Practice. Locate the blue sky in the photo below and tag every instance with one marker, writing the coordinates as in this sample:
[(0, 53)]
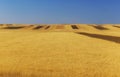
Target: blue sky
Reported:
[(60, 11)]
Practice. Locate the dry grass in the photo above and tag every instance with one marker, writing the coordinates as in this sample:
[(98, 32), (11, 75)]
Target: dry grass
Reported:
[(86, 52)]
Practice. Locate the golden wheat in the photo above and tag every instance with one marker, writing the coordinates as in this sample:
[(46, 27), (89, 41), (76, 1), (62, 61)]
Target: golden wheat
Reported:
[(86, 52)]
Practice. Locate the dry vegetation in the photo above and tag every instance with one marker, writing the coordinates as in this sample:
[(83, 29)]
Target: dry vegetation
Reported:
[(77, 50)]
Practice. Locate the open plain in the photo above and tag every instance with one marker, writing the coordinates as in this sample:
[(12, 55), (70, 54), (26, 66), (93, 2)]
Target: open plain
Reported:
[(78, 50)]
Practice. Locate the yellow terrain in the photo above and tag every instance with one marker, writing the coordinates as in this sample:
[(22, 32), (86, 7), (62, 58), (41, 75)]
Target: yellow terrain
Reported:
[(80, 50)]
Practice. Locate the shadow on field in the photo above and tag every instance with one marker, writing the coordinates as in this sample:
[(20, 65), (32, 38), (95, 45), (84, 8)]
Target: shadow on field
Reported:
[(117, 26), (47, 27), (104, 37), (100, 28), (38, 27), (13, 27), (74, 27), (1, 24)]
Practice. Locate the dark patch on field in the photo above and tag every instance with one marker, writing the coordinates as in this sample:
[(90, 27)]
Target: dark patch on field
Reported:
[(117, 26), (13, 27), (47, 27), (1, 24), (38, 27), (103, 37), (9, 24), (74, 27), (99, 27)]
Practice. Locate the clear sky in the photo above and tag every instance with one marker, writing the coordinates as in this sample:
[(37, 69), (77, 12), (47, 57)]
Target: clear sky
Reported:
[(60, 11)]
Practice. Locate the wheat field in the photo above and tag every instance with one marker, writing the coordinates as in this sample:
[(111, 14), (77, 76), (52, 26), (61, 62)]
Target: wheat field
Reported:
[(78, 50)]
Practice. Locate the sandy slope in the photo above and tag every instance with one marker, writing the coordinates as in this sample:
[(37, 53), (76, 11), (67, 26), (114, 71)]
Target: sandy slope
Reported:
[(87, 52)]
